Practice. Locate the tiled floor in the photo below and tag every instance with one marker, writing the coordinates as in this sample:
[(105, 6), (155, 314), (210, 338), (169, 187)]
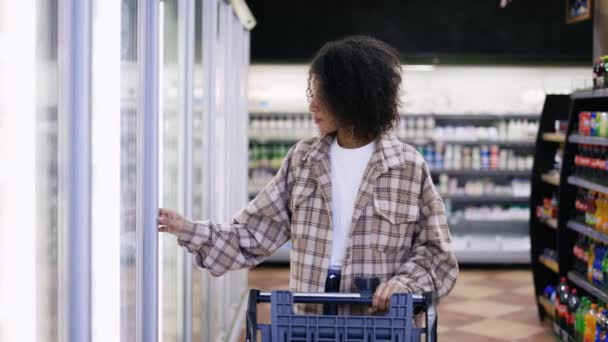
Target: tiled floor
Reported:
[(486, 305)]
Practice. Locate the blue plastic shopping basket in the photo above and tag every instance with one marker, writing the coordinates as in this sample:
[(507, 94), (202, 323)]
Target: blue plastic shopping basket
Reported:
[(397, 325)]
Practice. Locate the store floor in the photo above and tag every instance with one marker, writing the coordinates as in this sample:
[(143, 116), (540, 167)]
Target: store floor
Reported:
[(486, 305)]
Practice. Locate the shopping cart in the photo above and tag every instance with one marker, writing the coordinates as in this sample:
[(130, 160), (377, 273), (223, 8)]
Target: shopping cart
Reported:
[(397, 325)]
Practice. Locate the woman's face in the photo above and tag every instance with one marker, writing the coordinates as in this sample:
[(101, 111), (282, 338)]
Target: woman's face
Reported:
[(320, 115)]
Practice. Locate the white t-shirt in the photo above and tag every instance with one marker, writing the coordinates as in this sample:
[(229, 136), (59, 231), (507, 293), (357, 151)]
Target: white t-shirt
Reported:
[(347, 168)]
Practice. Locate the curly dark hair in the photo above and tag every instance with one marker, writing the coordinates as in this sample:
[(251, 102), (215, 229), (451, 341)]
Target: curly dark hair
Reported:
[(358, 79)]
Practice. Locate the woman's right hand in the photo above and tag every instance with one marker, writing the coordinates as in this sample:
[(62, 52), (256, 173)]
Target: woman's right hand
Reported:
[(170, 221)]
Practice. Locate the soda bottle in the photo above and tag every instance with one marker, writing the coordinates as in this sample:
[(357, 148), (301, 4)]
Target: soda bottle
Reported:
[(600, 329), (562, 308), (593, 124), (573, 304), (590, 321), (561, 287), (579, 324), (584, 126), (600, 319), (590, 261), (598, 271), (591, 208)]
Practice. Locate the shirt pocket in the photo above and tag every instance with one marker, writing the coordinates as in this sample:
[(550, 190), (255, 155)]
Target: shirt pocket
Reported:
[(393, 225), (305, 205)]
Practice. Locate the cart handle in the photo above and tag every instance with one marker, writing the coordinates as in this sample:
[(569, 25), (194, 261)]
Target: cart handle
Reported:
[(332, 298)]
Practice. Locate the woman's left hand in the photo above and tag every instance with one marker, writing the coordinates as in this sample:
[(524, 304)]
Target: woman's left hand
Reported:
[(382, 297)]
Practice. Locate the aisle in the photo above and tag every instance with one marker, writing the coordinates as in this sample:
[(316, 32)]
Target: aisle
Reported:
[(485, 305)]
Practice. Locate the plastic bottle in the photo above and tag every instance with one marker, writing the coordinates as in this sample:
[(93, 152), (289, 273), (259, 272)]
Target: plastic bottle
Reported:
[(600, 327), (598, 271), (590, 261), (593, 124), (562, 308), (579, 324), (605, 271), (573, 304), (590, 321), (600, 319)]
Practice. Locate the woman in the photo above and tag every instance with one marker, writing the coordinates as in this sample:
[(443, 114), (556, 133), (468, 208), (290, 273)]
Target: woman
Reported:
[(355, 201)]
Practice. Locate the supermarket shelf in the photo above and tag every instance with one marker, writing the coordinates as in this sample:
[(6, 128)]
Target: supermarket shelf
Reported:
[(463, 256), (506, 227), (441, 117), (480, 173), (413, 142), (590, 94), (480, 117), (493, 257), (587, 286), (278, 141), (505, 143), (551, 223), (550, 264), (588, 231), (547, 305), (583, 183), (581, 139), (484, 173), (482, 199), (551, 179), (554, 137)]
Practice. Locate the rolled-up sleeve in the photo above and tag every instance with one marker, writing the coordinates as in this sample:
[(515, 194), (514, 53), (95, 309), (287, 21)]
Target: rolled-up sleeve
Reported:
[(255, 232), (431, 266)]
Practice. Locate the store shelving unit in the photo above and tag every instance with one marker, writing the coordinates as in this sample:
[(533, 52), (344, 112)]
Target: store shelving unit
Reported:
[(544, 233), (474, 252), (570, 227)]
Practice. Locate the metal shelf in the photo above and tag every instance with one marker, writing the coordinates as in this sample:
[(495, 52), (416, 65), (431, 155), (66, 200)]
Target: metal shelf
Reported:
[(493, 257), (588, 231), (484, 173), (550, 179), (590, 94), (551, 223), (483, 198), (440, 117), (581, 139), (554, 137), (583, 183), (547, 306), (481, 117), (282, 255), (587, 286), (550, 264), (505, 143), (277, 141), (413, 142)]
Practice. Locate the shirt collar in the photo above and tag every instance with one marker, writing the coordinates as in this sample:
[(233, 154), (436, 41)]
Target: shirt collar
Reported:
[(388, 152)]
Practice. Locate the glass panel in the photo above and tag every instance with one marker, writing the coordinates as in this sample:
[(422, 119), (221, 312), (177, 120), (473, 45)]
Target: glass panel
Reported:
[(30, 226), (169, 190), (113, 134), (29, 179), (129, 89), (200, 308)]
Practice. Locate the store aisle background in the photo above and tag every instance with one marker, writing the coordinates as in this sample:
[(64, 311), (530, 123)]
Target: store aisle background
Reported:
[(489, 305)]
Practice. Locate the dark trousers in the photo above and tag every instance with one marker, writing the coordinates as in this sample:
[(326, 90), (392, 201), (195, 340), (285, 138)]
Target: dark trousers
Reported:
[(332, 285)]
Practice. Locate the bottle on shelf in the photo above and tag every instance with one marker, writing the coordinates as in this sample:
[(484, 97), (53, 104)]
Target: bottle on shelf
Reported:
[(590, 322), (579, 324), (573, 304)]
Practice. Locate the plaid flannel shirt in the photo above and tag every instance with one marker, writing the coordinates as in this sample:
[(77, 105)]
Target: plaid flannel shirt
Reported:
[(398, 231)]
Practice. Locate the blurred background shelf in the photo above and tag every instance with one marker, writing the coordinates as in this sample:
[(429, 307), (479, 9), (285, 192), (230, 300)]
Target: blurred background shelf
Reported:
[(550, 179), (554, 137)]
